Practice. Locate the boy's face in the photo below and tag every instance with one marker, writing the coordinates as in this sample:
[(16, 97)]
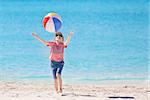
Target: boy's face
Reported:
[(59, 38)]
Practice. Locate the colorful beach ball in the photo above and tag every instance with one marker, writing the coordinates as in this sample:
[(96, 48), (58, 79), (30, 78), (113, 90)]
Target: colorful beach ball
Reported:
[(52, 22)]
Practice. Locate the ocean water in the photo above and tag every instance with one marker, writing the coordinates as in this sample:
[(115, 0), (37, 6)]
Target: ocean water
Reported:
[(110, 40)]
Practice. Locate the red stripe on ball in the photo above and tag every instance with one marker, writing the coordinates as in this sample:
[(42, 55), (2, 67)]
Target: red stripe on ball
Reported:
[(45, 21)]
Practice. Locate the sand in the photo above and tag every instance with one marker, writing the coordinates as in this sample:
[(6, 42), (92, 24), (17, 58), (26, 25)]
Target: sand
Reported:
[(110, 90)]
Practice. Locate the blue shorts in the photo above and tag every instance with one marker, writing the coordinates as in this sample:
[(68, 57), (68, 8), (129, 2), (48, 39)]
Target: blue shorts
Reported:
[(57, 67)]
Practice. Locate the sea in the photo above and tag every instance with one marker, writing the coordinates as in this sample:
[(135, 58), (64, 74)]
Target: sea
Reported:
[(110, 42)]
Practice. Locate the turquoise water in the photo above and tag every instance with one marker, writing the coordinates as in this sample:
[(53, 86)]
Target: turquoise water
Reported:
[(110, 40)]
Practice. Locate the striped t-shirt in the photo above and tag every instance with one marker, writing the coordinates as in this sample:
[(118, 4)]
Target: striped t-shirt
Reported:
[(57, 51)]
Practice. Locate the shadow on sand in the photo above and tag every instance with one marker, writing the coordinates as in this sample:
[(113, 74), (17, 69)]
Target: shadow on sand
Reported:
[(73, 94), (121, 97)]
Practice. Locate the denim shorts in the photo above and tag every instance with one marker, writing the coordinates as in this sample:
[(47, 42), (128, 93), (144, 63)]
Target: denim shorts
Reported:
[(57, 67)]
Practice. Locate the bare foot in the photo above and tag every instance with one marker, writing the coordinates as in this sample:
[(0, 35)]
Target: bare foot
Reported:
[(60, 91)]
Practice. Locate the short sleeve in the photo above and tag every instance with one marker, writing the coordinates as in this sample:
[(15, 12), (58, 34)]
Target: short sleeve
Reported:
[(50, 44), (65, 46)]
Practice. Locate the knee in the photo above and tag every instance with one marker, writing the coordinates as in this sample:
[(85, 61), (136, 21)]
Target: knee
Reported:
[(58, 75)]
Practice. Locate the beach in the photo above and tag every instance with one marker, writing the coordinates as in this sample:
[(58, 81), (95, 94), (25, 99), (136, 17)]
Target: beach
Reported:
[(107, 58), (109, 90)]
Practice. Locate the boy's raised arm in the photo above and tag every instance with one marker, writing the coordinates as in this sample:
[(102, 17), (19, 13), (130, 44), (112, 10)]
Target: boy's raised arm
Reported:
[(40, 39), (69, 38)]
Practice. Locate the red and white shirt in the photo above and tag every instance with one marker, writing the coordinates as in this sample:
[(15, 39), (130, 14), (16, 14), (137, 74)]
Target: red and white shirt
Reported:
[(57, 51)]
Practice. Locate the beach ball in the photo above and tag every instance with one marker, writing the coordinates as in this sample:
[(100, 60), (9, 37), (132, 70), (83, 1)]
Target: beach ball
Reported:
[(52, 22)]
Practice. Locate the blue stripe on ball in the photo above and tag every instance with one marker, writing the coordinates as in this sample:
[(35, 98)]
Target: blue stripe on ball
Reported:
[(57, 24)]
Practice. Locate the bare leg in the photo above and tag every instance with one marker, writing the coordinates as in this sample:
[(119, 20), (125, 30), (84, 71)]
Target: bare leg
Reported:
[(59, 82), (56, 85)]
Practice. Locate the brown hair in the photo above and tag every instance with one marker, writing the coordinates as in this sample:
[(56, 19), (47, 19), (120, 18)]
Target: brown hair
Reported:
[(59, 34)]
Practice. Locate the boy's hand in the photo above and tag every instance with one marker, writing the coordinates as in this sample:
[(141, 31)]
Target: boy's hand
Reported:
[(71, 33), (34, 34), (69, 38)]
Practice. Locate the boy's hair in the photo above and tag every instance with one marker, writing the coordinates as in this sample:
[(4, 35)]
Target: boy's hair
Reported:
[(59, 34)]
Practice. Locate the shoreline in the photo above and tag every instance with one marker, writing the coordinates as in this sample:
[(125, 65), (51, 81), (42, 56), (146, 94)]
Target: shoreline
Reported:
[(76, 81)]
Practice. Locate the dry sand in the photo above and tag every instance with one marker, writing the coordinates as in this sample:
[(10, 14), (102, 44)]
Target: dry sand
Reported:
[(110, 90)]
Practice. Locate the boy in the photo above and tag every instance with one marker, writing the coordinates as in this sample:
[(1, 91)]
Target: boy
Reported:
[(56, 56)]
